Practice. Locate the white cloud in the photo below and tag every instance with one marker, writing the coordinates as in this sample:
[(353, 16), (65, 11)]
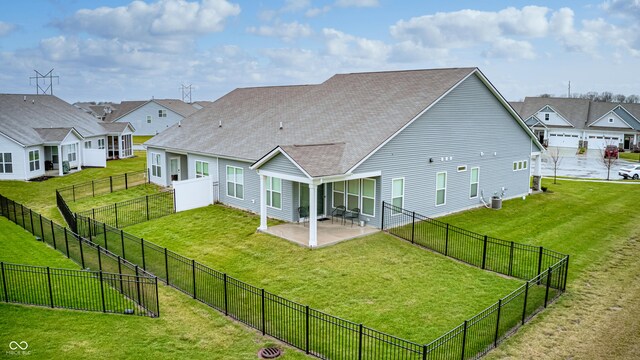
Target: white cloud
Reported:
[(164, 19), (625, 8), (284, 31), (510, 49), (348, 46), (6, 28), (357, 3), (313, 12)]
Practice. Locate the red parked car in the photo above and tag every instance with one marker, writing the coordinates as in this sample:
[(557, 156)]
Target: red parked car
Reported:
[(611, 151)]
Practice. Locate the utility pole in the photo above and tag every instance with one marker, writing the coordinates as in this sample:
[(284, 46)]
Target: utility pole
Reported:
[(186, 93), (47, 82)]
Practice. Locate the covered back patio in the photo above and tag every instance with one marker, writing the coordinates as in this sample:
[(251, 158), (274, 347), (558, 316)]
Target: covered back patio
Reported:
[(327, 232)]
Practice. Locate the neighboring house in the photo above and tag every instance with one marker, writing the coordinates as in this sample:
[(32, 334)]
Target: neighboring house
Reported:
[(99, 111), (43, 135), (433, 141), (151, 117), (573, 123)]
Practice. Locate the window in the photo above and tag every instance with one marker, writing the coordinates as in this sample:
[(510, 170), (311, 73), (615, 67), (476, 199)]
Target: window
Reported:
[(368, 206), (54, 155), (274, 192), (162, 113), (149, 118), (72, 152), (338, 193), (6, 165), (546, 117), (520, 165), (610, 120), (156, 167), (235, 182), (100, 143), (87, 144), (127, 149), (462, 168), (397, 195), (441, 188), (353, 194), (202, 169), (34, 160), (475, 180)]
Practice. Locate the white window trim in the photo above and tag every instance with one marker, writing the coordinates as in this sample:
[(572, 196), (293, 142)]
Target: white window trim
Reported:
[(471, 182), (157, 166), (520, 165), (87, 144), (333, 190), (36, 162), (401, 196), (149, 119), (3, 163), (445, 188), (367, 197), (196, 168), (269, 192), (360, 195), (72, 150), (347, 194), (162, 113), (100, 143), (234, 182)]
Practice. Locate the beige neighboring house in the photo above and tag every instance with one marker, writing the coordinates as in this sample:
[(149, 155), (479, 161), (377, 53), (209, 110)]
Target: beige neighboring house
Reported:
[(574, 123), (153, 116)]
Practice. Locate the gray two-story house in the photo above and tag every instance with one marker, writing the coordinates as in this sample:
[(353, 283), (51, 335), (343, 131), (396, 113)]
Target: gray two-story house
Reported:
[(432, 141)]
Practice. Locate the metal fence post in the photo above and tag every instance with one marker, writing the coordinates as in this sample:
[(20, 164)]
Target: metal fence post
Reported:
[(511, 258), (226, 310), (484, 253), (99, 259), (138, 284), (566, 274), (147, 197), (546, 294), (104, 231), (104, 307), (155, 282), (41, 228), (383, 206), (166, 265), (50, 288), (126, 182), (111, 183), (53, 235), (144, 265), (263, 321), (464, 339), (115, 207), (193, 267), (524, 309), (33, 231), (360, 343), (4, 283), (540, 261), (306, 329), (122, 242), (89, 228), (66, 241), (446, 241), (120, 272), (413, 226), (495, 339), (81, 251)]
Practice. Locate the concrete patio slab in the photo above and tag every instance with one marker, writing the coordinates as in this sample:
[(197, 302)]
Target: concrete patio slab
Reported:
[(328, 233)]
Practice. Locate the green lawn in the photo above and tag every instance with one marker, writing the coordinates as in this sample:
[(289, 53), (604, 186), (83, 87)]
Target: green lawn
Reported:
[(140, 139), (186, 328), (114, 197), (378, 280), (630, 156), (41, 196)]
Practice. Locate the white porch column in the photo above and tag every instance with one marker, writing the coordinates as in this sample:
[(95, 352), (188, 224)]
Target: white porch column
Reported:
[(60, 173), (313, 215), (263, 203)]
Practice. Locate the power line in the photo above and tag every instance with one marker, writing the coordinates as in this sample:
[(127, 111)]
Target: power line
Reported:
[(47, 82)]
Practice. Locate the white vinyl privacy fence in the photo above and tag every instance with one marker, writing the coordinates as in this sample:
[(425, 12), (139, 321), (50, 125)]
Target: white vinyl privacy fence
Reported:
[(195, 193)]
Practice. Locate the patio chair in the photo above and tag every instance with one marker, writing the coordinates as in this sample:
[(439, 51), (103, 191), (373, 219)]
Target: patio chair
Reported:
[(353, 214), (303, 214), (339, 211)]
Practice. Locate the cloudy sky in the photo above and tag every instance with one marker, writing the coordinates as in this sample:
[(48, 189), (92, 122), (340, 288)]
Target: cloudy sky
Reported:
[(116, 50)]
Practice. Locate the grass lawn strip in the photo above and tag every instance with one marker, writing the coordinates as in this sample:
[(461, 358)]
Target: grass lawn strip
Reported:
[(135, 192)]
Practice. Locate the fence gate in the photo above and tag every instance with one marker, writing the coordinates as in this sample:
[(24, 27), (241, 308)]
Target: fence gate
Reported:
[(194, 193)]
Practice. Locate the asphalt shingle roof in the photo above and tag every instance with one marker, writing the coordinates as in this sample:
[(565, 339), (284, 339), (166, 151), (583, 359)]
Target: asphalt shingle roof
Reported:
[(576, 111), (19, 119)]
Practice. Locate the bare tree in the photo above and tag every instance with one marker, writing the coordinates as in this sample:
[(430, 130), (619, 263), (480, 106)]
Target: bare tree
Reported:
[(608, 160), (619, 98), (556, 159), (632, 99), (546, 95)]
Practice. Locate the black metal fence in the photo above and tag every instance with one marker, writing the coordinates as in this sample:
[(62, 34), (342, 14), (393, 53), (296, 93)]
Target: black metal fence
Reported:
[(313, 331), (103, 186), (545, 270), (68, 289), (134, 211), (137, 285)]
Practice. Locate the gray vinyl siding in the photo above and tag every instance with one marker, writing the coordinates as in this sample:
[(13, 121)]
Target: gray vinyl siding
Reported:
[(466, 123), (281, 164), (138, 118), (251, 200), (627, 118)]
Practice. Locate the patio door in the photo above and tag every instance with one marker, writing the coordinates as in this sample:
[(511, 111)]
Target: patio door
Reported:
[(304, 198), (174, 168)]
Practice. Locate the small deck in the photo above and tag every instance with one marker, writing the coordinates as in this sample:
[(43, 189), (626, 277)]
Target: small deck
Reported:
[(328, 233)]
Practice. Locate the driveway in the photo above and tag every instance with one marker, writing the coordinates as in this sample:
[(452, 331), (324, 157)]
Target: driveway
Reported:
[(588, 166)]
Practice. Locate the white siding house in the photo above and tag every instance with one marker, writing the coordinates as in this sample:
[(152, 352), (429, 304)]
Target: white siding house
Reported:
[(153, 116)]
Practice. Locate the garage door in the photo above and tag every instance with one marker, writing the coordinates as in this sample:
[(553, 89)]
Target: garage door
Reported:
[(563, 140), (601, 141)]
